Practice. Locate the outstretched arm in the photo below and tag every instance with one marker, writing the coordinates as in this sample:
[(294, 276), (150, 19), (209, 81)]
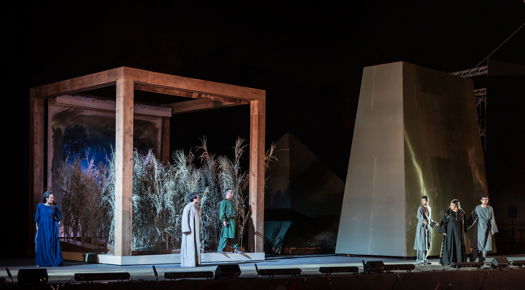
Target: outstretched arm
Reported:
[(464, 221), (443, 225), (431, 222), (472, 220), (494, 227)]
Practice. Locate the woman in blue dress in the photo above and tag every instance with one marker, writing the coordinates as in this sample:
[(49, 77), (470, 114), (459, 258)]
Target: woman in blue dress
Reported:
[(47, 244)]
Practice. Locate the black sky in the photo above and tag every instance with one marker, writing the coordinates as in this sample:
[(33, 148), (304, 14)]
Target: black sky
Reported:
[(308, 57)]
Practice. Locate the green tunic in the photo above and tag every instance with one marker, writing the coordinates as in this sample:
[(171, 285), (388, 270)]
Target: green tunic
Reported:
[(227, 213)]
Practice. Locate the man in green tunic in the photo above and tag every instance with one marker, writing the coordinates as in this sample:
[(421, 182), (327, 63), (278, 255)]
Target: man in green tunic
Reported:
[(227, 214)]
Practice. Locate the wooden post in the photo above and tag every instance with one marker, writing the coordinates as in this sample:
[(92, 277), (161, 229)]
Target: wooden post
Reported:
[(123, 167), (256, 174), (36, 163), (165, 140)]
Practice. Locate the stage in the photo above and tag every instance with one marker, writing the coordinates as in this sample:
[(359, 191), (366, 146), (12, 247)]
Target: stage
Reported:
[(206, 258), (434, 275)]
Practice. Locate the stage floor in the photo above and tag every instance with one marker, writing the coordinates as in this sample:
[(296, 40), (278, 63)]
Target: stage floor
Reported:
[(309, 265)]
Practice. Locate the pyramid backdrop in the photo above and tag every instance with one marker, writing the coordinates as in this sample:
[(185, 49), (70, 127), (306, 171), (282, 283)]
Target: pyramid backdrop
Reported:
[(301, 189)]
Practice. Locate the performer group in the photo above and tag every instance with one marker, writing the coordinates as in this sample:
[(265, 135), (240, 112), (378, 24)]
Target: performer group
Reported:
[(190, 249), (48, 216), (454, 223)]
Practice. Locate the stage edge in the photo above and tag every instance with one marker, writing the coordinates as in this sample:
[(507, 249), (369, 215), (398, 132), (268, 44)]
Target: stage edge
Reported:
[(175, 258)]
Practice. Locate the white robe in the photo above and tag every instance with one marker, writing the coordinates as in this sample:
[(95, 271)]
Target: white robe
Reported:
[(190, 252)]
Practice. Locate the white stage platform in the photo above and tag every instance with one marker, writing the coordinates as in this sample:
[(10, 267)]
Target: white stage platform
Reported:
[(175, 258)]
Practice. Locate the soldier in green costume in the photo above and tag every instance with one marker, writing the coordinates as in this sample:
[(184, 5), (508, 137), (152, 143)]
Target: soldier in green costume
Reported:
[(227, 215)]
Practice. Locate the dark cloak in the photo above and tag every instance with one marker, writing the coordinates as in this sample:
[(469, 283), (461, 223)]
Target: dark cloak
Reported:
[(453, 246)]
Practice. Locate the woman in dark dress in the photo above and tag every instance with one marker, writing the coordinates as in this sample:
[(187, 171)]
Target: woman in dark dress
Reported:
[(452, 227), (47, 244)]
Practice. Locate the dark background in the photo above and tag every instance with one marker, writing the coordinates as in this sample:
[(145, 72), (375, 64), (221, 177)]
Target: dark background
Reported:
[(308, 57)]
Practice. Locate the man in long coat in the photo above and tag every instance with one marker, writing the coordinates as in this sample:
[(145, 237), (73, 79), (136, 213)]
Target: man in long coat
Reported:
[(484, 226), (423, 240), (190, 255)]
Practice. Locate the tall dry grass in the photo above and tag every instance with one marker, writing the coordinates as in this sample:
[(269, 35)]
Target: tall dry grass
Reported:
[(159, 195), (78, 185)]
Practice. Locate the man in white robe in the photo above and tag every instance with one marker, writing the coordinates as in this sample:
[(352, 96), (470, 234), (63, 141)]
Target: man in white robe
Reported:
[(190, 252)]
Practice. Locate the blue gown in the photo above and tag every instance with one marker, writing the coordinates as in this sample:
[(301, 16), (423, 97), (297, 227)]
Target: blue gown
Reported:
[(47, 244)]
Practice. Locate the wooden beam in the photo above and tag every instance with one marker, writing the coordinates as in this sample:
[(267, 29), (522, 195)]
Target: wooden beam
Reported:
[(199, 105), (147, 81), (163, 90), (165, 149), (221, 99), (36, 163), (123, 167), (155, 79), (109, 105), (78, 84), (257, 170), (188, 94)]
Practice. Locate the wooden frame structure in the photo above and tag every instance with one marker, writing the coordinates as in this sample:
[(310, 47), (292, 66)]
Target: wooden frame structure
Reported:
[(206, 95)]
